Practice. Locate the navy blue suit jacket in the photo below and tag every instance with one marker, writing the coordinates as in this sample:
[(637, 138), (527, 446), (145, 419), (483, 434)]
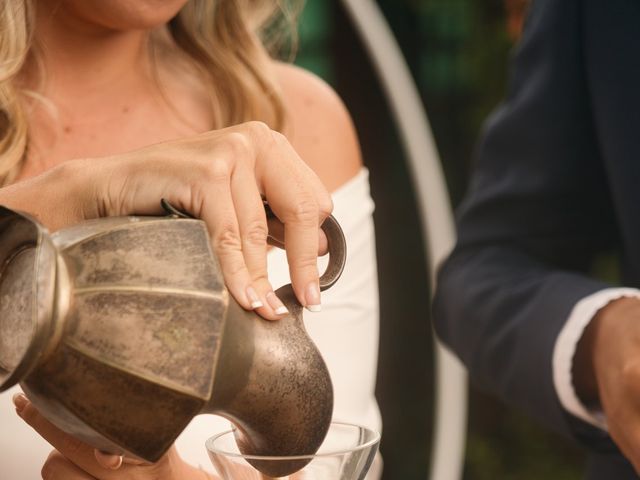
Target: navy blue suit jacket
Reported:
[(556, 183)]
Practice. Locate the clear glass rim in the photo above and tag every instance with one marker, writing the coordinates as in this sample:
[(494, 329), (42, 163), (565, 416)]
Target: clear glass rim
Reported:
[(376, 438)]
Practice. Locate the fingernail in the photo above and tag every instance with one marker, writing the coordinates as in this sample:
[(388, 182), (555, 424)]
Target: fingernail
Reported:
[(20, 401), (254, 299), (312, 297), (275, 303), (108, 460)]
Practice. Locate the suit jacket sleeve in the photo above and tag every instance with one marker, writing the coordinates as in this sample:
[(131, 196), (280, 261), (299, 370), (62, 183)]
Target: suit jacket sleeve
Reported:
[(537, 214)]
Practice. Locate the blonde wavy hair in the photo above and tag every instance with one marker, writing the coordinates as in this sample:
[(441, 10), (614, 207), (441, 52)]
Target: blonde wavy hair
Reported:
[(229, 41)]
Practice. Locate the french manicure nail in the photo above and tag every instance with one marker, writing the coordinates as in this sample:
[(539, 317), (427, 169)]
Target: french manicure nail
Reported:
[(20, 401), (117, 464), (108, 460), (312, 297), (253, 298), (275, 303)]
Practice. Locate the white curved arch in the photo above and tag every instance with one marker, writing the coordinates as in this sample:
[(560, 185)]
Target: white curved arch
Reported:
[(437, 221)]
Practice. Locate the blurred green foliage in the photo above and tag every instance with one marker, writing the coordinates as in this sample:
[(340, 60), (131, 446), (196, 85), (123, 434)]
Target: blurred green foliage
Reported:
[(314, 31)]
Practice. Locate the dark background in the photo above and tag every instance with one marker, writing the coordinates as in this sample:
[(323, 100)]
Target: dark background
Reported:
[(458, 53)]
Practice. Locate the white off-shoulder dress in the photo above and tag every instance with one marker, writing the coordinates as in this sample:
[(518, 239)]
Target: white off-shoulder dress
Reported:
[(345, 331)]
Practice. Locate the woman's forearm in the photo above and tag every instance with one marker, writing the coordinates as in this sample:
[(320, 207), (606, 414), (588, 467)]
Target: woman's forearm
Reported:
[(58, 198)]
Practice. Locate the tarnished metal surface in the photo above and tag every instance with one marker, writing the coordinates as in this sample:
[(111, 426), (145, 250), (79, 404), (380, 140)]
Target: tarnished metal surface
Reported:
[(27, 295), (16, 315), (282, 372), (121, 330)]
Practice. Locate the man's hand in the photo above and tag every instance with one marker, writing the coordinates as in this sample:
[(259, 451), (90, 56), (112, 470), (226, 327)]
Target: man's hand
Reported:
[(607, 372)]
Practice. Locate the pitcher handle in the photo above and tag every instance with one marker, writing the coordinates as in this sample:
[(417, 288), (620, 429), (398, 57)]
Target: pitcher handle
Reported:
[(337, 252), (330, 227)]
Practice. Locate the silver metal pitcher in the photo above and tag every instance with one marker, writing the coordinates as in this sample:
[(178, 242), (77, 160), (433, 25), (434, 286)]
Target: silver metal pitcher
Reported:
[(120, 330)]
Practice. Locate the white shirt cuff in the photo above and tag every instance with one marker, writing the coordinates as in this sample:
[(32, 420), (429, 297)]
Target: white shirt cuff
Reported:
[(565, 349)]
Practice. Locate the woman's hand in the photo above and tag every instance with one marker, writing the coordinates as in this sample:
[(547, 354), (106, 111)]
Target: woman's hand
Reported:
[(75, 460), (219, 177)]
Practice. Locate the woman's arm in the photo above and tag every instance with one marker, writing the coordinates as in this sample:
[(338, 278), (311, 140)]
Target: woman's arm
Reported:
[(217, 176), (319, 126)]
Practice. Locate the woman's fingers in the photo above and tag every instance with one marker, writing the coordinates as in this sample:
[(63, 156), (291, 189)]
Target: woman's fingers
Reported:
[(301, 248), (58, 467), (79, 453), (301, 203), (93, 464), (107, 460), (218, 211), (263, 161), (276, 237), (253, 232)]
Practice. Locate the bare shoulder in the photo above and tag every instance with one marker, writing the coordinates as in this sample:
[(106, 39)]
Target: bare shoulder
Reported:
[(319, 126)]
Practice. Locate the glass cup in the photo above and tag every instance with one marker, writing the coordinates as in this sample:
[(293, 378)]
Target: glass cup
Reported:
[(346, 454)]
